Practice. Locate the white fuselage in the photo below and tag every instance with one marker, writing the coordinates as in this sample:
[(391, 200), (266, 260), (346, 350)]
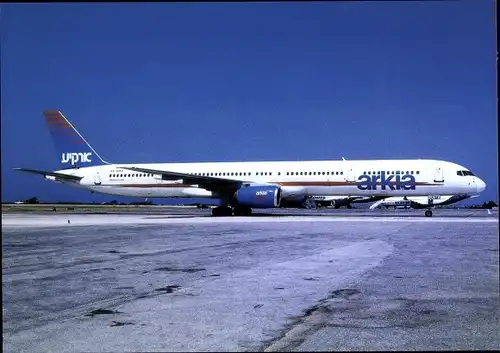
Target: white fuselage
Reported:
[(308, 178)]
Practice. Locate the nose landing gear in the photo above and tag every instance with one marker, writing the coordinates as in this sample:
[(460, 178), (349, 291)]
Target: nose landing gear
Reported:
[(428, 212)]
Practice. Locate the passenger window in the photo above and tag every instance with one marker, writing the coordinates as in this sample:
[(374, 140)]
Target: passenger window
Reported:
[(418, 172), (310, 173), (341, 173), (279, 173), (336, 173)]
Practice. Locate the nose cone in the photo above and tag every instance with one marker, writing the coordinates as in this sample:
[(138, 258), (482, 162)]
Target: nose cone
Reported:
[(481, 185)]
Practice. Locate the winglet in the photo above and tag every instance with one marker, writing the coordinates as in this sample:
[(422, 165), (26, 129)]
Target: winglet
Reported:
[(71, 146)]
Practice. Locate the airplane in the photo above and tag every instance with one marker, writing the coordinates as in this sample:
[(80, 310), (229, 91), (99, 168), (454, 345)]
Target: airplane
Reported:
[(241, 186), (344, 200), (419, 201), (326, 201)]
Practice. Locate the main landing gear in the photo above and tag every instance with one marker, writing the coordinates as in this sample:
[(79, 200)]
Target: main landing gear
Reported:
[(225, 211), (428, 213)]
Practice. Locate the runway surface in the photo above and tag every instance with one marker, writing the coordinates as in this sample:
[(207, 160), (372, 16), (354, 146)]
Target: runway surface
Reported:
[(179, 281)]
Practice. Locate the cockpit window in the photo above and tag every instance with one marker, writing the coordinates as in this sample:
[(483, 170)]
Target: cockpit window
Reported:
[(464, 173)]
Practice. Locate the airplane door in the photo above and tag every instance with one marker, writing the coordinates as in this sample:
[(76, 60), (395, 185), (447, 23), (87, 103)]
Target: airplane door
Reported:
[(349, 175), (438, 174), (97, 180)]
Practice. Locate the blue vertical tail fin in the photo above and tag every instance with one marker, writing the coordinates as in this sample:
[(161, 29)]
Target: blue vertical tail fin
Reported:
[(72, 148)]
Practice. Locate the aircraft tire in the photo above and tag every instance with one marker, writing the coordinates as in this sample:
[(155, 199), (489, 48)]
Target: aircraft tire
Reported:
[(242, 211), (428, 213), (222, 211)]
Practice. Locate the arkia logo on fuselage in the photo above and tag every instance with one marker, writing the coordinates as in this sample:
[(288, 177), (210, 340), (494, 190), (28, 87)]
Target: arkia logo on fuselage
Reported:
[(393, 182), (76, 157)]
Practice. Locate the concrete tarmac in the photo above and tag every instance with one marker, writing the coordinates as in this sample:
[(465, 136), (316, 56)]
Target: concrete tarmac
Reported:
[(185, 282)]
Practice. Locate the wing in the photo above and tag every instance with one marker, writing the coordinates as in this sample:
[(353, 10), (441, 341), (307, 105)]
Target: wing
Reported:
[(206, 182), (53, 174)]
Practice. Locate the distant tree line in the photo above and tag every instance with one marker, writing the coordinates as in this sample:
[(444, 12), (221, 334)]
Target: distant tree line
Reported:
[(488, 205)]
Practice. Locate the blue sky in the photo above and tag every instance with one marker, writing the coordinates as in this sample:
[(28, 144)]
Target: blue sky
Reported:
[(161, 82)]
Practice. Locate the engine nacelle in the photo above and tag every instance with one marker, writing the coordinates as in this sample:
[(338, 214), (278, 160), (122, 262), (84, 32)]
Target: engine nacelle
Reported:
[(262, 196)]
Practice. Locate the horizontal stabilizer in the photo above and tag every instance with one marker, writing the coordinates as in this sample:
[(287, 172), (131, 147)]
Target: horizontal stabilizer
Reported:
[(53, 174)]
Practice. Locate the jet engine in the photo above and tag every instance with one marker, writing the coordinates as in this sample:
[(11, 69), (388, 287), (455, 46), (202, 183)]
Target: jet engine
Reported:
[(259, 196)]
